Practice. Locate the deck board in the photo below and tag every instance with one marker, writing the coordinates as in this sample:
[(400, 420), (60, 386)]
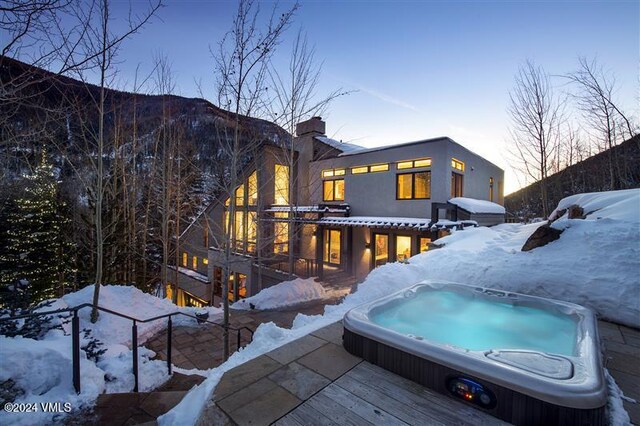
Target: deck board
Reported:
[(368, 395), (361, 407)]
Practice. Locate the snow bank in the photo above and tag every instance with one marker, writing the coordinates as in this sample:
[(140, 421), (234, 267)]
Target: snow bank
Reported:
[(477, 206), (129, 301), (594, 263), (287, 293), (618, 205)]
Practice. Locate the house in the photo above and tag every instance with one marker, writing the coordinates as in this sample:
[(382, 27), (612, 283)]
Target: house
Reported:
[(333, 210)]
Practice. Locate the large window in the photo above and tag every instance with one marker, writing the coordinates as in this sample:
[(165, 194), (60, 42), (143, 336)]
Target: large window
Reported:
[(281, 185), (239, 230), (457, 184), (252, 231), (281, 233), (240, 195), (333, 190), (403, 247), (332, 246), (252, 186), (381, 249), (413, 186)]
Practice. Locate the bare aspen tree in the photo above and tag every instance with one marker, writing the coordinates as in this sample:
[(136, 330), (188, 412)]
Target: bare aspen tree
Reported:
[(102, 46), (594, 97), (536, 117), (293, 100), (241, 64)]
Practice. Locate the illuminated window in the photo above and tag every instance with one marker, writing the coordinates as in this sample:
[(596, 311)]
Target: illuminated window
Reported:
[(490, 189), (239, 230), (332, 242), (333, 190), (240, 195), (281, 185), (252, 193), (457, 184), (423, 162), (185, 259), (413, 186), (381, 249), (194, 262), (205, 261), (412, 164), (281, 234), (403, 247), (252, 231), (379, 168), (424, 244), (457, 164), (369, 169), (333, 172), (226, 202)]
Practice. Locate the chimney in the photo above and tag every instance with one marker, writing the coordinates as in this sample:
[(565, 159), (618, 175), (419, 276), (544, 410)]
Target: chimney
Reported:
[(314, 126)]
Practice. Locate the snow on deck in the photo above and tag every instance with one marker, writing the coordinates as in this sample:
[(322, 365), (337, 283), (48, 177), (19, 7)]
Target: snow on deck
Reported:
[(477, 206), (340, 208)]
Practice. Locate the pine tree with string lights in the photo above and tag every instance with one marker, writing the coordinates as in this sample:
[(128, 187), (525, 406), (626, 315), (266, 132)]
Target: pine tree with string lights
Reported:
[(38, 256)]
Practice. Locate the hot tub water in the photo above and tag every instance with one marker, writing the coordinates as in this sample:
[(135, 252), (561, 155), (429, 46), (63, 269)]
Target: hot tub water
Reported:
[(479, 323)]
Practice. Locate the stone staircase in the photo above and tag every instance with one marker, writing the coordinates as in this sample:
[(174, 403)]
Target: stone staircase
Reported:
[(138, 408)]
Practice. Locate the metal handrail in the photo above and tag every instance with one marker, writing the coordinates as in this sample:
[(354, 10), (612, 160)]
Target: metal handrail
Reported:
[(75, 331)]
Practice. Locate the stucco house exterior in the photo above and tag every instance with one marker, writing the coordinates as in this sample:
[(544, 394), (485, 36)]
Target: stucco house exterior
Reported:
[(340, 209)]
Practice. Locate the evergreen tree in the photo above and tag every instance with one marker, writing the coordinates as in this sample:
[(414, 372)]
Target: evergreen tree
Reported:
[(37, 260)]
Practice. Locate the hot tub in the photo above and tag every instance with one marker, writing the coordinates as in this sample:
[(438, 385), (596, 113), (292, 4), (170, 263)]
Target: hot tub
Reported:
[(524, 359)]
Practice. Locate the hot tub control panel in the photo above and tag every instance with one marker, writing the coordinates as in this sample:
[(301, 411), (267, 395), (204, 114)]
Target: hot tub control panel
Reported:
[(471, 391)]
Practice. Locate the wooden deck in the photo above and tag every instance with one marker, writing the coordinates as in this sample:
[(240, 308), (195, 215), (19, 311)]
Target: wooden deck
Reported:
[(369, 395)]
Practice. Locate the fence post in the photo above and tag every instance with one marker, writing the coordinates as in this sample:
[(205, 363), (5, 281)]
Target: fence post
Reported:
[(134, 345), (169, 346), (75, 355)]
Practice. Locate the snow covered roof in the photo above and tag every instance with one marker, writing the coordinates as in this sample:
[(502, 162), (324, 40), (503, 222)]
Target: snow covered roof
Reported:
[(191, 273), (342, 146), (416, 223), (341, 208), (477, 206)]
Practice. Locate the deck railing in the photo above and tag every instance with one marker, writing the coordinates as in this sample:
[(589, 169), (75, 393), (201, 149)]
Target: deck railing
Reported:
[(75, 332)]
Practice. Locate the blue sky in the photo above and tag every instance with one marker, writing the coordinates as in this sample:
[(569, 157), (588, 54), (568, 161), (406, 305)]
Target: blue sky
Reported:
[(422, 68)]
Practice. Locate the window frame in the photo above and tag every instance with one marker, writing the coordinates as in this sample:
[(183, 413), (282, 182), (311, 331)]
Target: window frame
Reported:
[(411, 164), (413, 186), (332, 183), (360, 170)]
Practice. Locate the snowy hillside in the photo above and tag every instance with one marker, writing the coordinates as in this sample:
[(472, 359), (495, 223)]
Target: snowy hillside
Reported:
[(594, 263)]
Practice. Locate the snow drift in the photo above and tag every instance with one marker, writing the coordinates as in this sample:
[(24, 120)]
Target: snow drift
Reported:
[(287, 293)]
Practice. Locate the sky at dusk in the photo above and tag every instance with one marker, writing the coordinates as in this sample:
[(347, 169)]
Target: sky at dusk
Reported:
[(420, 69)]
